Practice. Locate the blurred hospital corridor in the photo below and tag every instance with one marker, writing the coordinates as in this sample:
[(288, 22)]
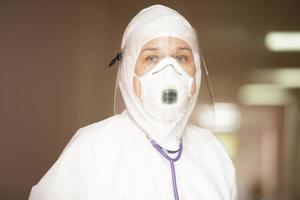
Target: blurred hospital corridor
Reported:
[(54, 79)]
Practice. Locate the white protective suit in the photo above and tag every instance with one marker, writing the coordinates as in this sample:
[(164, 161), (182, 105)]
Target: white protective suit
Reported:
[(113, 159)]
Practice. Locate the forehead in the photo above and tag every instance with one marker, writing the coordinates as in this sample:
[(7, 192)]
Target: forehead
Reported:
[(166, 42)]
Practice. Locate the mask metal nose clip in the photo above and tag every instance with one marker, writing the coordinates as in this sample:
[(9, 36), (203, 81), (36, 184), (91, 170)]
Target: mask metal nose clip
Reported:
[(168, 65)]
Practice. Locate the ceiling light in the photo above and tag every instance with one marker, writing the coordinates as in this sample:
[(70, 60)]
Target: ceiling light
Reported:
[(283, 41)]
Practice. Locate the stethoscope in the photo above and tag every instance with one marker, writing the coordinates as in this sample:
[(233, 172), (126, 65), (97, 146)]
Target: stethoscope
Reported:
[(163, 151)]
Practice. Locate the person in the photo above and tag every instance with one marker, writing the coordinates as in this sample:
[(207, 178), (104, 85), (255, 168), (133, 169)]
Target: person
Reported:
[(149, 150)]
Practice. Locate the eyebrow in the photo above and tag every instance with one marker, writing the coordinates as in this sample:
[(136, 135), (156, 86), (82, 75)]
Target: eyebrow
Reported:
[(156, 49), (150, 49), (184, 48)]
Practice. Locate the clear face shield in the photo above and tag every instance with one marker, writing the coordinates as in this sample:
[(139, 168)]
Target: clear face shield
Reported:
[(169, 75)]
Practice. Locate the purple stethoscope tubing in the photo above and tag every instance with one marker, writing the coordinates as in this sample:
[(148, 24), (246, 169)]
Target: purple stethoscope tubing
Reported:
[(171, 161)]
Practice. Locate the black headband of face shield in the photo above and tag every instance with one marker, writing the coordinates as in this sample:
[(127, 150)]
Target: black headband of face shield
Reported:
[(117, 58)]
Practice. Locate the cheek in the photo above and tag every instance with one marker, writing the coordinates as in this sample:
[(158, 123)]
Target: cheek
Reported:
[(137, 87)]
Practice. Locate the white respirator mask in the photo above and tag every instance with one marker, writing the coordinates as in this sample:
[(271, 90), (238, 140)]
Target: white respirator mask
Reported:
[(165, 90)]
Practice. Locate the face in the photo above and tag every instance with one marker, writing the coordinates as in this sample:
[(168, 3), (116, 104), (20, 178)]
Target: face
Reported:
[(155, 50)]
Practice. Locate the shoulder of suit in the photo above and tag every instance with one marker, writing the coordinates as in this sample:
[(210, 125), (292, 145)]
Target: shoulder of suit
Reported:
[(97, 129), (199, 132), (206, 136)]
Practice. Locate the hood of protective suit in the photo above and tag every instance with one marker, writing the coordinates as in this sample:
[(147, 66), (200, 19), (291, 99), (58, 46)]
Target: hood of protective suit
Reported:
[(150, 23)]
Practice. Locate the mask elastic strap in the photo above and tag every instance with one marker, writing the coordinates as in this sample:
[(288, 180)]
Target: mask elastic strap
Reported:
[(141, 86), (190, 87)]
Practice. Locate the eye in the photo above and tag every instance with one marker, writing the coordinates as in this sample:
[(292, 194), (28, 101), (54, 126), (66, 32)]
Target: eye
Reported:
[(181, 58), (152, 58)]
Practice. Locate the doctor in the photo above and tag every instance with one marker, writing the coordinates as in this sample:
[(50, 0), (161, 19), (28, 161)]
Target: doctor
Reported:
[(148, 151)]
